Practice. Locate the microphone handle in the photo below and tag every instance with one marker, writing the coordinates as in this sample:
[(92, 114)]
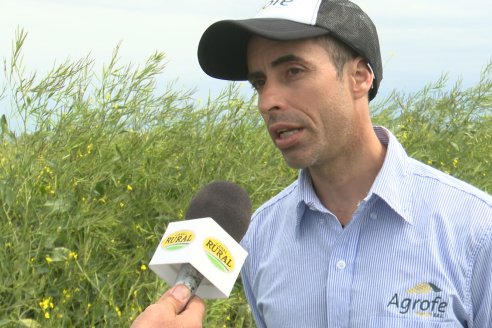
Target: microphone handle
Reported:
[(189, 276)]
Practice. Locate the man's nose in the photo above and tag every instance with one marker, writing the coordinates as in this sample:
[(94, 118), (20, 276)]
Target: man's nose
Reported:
[(270, 98)]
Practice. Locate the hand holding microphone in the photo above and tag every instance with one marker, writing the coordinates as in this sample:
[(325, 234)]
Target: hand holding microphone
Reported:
[(230, 207), (203, 251), (199, 255), (176, 308)]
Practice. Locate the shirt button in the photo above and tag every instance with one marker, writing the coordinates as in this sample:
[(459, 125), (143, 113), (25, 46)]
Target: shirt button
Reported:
[(341, 264), (373, 216)]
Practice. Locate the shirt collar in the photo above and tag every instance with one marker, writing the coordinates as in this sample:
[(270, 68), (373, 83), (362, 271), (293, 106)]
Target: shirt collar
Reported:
[(307, 198), (389, 185)]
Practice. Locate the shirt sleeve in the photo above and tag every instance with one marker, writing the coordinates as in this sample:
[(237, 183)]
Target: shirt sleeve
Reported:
[(481, 284)]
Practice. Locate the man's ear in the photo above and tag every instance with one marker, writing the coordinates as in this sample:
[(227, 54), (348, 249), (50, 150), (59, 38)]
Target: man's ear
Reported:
[(362, 77)]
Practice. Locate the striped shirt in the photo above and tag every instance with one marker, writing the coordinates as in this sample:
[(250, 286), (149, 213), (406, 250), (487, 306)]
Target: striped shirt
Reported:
[(417, 253)]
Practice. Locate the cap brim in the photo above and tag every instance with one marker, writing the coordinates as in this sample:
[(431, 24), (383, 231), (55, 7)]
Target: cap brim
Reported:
[(223, 46)]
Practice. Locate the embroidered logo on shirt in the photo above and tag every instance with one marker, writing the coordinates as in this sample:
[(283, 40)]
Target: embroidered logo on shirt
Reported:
[(422, 300)]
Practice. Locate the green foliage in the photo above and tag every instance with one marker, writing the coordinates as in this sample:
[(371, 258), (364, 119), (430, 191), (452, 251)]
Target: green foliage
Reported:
[(103, 162), (100, 166), (449, 129)]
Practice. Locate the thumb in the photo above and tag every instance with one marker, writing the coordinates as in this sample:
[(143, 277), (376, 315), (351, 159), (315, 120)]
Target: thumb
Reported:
[(176, 298)]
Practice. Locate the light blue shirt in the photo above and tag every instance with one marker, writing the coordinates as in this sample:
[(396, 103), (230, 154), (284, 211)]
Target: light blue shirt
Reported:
[(417, 253)]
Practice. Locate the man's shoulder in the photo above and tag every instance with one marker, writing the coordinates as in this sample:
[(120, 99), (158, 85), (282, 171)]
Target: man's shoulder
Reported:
[(446, 185), (287, 196), (268, 218), (452, 205)]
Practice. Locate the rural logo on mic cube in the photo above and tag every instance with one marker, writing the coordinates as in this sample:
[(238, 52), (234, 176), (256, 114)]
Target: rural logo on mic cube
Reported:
[(216, 251)]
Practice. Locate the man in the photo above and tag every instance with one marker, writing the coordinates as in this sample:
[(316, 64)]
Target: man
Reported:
[(366, 236)]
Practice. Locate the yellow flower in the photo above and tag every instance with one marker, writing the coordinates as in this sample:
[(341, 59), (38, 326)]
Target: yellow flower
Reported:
[(47, 315), (49, 188), (73, 256), (48, 170), (67, 294), (143, 267), (46, 303), (48, 259), (118, 311), (129, 188)]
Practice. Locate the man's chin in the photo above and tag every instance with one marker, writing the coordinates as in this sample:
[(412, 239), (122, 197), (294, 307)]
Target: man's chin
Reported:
[(296, 163)]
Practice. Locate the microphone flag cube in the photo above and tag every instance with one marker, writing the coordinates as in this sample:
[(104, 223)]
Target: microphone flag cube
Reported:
[(208, 248)]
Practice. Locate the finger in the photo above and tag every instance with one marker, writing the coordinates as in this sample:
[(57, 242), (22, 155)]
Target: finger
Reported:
[(151, 317), (175, 299), (194, 312)]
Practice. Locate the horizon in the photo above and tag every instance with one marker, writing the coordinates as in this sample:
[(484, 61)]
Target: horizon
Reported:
[(418, 41)]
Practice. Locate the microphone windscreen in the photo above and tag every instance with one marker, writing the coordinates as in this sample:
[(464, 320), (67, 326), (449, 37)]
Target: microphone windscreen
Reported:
[(225, 202)]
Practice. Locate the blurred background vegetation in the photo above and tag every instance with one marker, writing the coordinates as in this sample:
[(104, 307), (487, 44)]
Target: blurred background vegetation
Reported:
[(104, 160)]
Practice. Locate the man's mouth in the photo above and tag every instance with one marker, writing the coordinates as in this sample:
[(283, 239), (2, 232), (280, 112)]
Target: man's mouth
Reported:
[(285, 133)]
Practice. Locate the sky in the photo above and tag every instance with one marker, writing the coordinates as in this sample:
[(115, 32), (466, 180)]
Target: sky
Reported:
[(420, 40)]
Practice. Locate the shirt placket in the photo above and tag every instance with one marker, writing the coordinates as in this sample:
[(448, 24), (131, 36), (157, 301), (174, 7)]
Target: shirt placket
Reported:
[(340, 275)]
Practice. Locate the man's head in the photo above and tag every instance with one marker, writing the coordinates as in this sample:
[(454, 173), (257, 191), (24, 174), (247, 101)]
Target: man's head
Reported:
[(315, 112), (223, 47)]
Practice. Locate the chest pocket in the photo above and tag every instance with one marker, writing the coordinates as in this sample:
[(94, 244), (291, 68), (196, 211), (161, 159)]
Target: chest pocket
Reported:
[(389, 322)]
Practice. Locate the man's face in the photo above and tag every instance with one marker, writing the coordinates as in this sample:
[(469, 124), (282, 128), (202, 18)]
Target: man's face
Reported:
[(307, 108)]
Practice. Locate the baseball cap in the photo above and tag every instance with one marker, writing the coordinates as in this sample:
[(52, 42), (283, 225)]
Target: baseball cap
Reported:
[(223, 46)]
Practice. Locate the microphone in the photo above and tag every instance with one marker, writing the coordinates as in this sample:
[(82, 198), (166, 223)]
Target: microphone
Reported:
[(229, 205), (203, 251)]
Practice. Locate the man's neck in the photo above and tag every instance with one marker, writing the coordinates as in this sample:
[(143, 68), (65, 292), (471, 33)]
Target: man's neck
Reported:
[(342, 186)]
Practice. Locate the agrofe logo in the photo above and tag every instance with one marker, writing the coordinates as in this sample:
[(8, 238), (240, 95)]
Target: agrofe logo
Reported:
[(422, 300)]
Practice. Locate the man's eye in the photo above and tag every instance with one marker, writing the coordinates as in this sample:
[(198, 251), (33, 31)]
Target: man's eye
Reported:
[(294, 71), (257, 84)]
